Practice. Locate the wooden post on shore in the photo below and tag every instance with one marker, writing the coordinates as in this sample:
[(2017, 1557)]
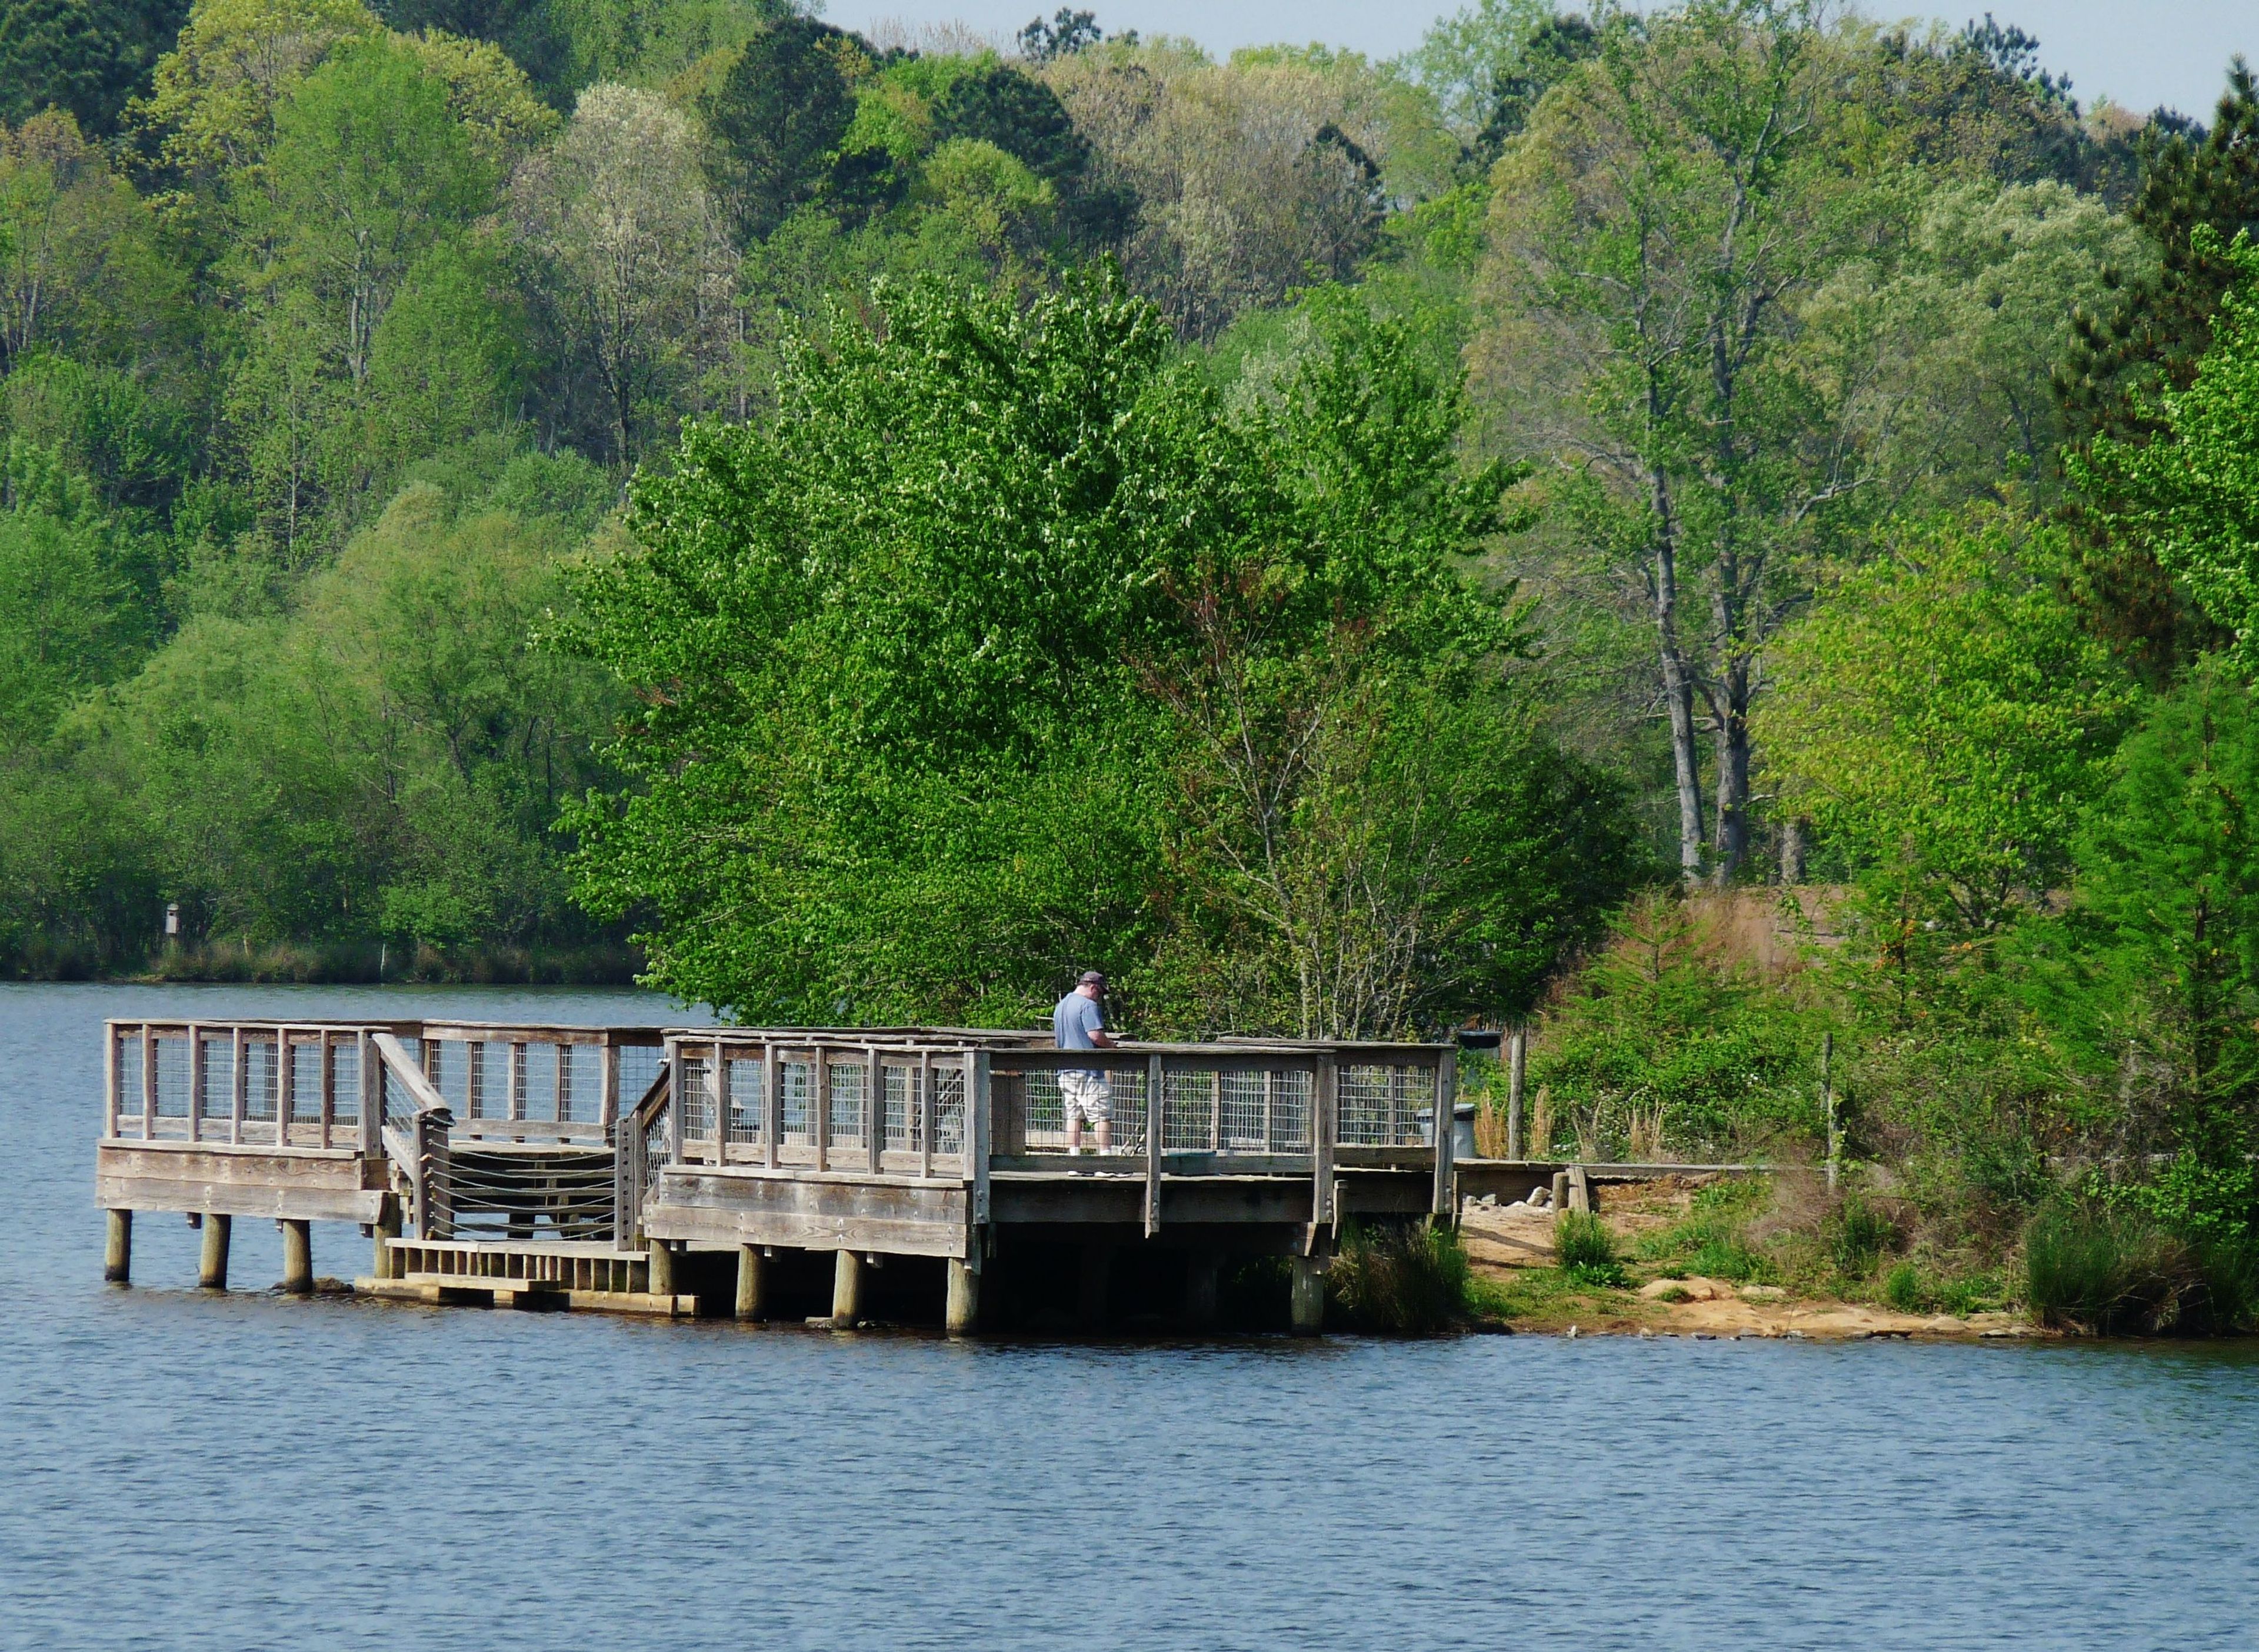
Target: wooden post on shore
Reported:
[(750, 1305), (1307, 1308), (118, 1247), (211, 1267), (1517, 1068), (1828, 1102), (846, 1289), (297, 1256), (962, 1316)]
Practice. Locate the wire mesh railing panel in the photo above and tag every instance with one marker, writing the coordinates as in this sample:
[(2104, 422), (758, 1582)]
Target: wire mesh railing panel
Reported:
[(797, 1102), (262, 1072), (1242, 1118), (639, 1066), (218, 1057), (1190, 1102), (1287, 1099), (849, 1080), (172, 1056), (748, 1102), (905, 1108), (949, 1111), (697, 1099), (127, 1053), (306, 1083), (345, 1070), (1380, 1106)]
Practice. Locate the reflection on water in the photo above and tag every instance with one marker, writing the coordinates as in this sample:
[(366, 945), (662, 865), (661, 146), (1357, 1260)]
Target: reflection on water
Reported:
[(246, 1472)]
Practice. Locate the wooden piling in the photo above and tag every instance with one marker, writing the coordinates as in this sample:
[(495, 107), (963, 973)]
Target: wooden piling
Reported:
[(1580, 1190), (749, 1281), (211, 1268), (386, 1262), (1202, 1268), (846, 1289), (1096, 1274), (1306, 1310), (1560, 1191), (662, 1269), (118, 1247), (297, 1256), (963, 1316)]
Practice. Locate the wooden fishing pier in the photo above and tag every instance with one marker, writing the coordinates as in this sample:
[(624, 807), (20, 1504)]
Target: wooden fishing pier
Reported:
[(671, 1171)]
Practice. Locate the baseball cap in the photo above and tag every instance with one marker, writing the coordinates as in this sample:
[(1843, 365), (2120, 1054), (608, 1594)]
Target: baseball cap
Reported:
[(1090, 978)]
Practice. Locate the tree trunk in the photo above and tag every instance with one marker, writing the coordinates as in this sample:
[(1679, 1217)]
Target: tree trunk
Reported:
[(1733, 741), (1677, 684)]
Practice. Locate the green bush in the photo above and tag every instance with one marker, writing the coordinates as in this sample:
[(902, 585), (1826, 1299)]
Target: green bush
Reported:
[(1902, 1289), (1402, 1279)]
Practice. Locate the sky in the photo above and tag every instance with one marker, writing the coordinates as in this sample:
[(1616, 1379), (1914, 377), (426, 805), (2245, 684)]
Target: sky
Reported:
[(2137, 53)]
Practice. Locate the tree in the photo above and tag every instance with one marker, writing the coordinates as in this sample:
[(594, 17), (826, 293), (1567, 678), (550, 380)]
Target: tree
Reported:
[(947, 670), (775, 122), (1656, 227), (1252, 179), (1942, 351), (85, 59), (1023, 118), (1068, 32), (2189, 496), (630, 260), (80, 265), (2145, 337), (2151, 981), (1947, 723), (1467, 58), (210, 108)]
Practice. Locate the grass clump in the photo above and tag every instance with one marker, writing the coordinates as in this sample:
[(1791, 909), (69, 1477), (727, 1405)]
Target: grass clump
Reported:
[(1857, 1234), (1586, 1250), (1910, 1289), (1714, 1240), (1401, 1279), (2090, 1268)]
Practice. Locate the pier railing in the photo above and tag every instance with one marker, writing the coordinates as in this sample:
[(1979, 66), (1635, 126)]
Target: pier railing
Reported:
[(272, 1083), (883, 1103), (518, 1129)]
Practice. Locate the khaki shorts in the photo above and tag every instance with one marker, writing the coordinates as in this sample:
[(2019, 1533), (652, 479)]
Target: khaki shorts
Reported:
[(1087, 1095)]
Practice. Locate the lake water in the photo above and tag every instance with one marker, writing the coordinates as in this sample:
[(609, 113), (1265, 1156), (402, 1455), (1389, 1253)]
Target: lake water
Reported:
[(181, 1469)]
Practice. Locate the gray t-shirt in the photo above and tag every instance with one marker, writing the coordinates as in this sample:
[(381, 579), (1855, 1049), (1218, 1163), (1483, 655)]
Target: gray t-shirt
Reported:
[(1073, 1019)]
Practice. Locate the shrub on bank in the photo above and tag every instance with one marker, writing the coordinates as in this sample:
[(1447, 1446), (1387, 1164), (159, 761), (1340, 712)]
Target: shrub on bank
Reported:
[(1400, 1278), (1585, 1250)]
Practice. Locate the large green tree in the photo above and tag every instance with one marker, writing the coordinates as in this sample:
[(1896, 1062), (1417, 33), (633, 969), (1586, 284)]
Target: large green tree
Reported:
[(1001, 651)]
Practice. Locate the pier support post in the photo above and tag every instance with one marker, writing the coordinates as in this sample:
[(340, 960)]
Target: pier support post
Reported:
[(1560, 1191), (297, 1256), (749, 1281), (662, 1269), (1097, 1275), (963, 1317), (118, 1247), (846, 1289), (1201, 1269), (387, 1260), (1306, 1309), (211, 1267)]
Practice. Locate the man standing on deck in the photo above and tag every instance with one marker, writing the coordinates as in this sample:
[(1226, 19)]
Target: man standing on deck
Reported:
[(1079, 1022)]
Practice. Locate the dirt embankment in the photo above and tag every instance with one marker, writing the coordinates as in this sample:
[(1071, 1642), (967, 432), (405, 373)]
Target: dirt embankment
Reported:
[(1510, 1249)]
